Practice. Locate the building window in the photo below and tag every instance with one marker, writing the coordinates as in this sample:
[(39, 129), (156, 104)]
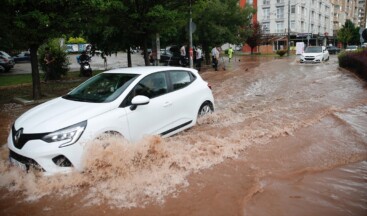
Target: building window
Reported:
[(280, 27), (250, 2), (280, 1), (266, 13), (293, 25), (280, 12), (293, 9), (266, 27), (266, 2)]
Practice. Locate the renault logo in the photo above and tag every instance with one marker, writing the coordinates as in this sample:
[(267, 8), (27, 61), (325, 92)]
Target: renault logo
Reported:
[(17, 135)]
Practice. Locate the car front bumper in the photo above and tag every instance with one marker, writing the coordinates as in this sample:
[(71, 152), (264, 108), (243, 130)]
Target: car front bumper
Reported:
[(47, 157)]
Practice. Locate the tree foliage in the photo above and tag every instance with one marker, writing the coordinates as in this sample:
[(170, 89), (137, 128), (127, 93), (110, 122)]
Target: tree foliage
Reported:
[(61, 63), (125, 23), (220, 21), (35, 22), (119, 24), (255, 38), (348, 34)]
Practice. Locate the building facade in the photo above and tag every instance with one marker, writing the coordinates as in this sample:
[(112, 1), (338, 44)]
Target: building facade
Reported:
[(362, 9), (290, 21), (343, 10), (309, 21)]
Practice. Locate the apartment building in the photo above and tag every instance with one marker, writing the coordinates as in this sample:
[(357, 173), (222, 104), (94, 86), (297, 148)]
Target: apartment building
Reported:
[(362, 9), (343, 10), (309, 20)]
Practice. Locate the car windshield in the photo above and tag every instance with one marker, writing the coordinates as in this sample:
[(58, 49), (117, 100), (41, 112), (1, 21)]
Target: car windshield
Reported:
[(313, 50), (104, 87), (351, 47), (4, 54)]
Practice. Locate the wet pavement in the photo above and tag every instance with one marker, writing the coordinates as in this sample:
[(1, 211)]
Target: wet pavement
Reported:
[(286, 139)]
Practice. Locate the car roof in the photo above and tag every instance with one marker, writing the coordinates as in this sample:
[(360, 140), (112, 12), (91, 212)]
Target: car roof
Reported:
[(147, 69)]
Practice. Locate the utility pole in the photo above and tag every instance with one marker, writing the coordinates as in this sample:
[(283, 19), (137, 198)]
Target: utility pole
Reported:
[(289, 26), (190, 40)]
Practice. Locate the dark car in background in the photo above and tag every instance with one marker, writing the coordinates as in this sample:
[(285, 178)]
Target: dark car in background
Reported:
[(333, 49), (22, 57), (171, 56), (6, 61)]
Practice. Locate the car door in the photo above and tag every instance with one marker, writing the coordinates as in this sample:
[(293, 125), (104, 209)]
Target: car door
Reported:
[(154, 117), (183, 97)]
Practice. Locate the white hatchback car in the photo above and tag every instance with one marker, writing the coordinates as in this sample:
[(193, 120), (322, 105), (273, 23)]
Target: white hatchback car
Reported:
[(314, 54), (131, 102)]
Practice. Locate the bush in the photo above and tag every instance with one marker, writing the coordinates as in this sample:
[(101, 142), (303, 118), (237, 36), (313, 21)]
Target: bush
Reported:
[(355, 61), (281, 52), (61, 64)]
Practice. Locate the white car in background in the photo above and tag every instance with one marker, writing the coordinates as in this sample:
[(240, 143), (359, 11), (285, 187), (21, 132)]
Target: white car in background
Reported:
[(314, 54), (351, 48), (130, 102)]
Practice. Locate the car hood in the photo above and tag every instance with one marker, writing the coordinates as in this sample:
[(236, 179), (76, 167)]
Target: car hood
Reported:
[(57, 114), (312, 54)]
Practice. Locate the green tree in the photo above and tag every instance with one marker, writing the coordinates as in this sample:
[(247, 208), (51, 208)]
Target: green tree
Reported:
[(348, 34), (33, 23), (255, 38), (220, 21), (126, 23), (61, 63)]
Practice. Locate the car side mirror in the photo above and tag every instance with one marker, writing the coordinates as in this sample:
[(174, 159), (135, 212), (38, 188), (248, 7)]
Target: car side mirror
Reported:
[(139, 100)]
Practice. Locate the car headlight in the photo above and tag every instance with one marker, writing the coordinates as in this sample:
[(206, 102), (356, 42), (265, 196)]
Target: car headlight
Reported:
[(69, 134)]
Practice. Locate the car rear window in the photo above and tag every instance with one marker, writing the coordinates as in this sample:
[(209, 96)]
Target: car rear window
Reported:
[(181, 79)]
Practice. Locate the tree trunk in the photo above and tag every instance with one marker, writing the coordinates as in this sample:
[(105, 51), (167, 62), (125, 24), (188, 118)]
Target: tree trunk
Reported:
[(145, 51), (129, 57), (35, 73)]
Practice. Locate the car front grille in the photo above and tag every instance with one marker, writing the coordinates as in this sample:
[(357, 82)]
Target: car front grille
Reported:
[(20, 139), (309, 58)]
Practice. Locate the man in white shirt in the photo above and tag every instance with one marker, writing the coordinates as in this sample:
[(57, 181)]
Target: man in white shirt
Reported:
[(199, 57), (183, 55)]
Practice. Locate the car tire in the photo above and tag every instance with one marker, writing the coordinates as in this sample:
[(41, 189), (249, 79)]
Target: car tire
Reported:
[(205, 109)]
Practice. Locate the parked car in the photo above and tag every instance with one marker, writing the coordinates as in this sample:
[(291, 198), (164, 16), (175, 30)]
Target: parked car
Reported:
[(351, 48), (130, 102), (171, 56), (314, 54), (333, 49), (23, 56), (6, 61)]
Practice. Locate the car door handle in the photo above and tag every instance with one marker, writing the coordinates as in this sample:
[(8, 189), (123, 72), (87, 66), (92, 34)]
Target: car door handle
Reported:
[(167, 104)]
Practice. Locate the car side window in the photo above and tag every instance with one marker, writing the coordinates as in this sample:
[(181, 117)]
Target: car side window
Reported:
[(180, 79), (151, 86)]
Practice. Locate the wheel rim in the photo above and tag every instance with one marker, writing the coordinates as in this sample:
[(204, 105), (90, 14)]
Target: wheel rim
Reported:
[(205, 110)]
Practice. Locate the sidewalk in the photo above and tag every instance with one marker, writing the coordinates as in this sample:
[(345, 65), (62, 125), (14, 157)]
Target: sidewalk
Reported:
[(113, 61)]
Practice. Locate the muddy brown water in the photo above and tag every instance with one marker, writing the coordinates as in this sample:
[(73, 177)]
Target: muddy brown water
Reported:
[(286, 139)]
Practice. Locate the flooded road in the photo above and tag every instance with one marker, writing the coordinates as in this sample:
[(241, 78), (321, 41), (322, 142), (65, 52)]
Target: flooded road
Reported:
[(286, 139)]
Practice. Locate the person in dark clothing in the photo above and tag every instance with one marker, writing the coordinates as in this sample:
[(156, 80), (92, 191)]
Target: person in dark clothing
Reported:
[(83, 58), (49, 60)]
